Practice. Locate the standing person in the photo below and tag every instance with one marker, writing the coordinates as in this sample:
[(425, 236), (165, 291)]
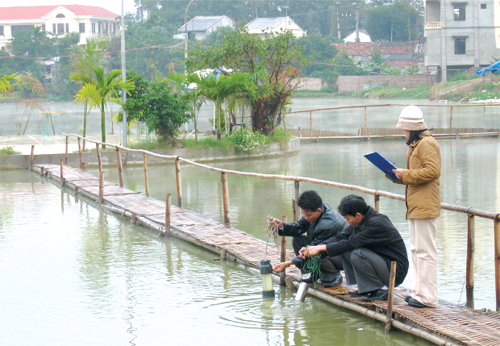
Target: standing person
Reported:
[(318, 223), (367, 247), (423, 204)]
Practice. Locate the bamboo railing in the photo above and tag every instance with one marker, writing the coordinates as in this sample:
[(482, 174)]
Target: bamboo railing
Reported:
[(365, 131), (470, 212)]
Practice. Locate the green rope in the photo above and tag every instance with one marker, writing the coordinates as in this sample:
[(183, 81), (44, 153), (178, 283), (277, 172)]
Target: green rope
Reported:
[(312, 265)]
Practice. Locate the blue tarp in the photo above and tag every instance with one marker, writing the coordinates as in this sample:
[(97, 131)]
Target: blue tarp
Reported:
[(492, 68)]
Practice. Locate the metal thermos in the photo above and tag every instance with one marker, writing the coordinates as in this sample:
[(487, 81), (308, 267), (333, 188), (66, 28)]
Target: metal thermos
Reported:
[(302, 291)]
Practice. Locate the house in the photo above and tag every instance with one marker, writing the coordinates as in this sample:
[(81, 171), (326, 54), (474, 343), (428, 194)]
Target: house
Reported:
[(398, 54), (263, 26), (460, 35), (57, 20), (201, 26)]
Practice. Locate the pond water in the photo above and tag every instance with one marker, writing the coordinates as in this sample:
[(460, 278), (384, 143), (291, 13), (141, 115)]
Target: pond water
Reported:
[(73, 274)]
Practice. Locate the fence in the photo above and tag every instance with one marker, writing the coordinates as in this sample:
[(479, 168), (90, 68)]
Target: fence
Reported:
[(367, 132), (469, 211)]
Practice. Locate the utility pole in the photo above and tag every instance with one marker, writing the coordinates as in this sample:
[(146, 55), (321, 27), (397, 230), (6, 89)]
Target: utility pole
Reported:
[(338, 21), (124, 76), (186, 34), (356, 8)]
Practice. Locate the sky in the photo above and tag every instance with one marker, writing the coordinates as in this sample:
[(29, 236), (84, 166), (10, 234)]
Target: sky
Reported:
[(114, 6)]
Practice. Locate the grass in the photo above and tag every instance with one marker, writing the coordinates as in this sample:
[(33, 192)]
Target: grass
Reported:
[(9, 151)]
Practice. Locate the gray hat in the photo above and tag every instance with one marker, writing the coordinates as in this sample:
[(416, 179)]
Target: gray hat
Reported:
[(411, 119)]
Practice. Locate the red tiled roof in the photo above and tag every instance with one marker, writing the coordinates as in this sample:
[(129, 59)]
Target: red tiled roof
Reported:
[(395, 47), (37, 12), (356, 48)]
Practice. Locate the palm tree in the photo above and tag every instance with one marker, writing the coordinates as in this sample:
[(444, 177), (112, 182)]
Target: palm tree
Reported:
[(102, 89), (5, 85), (83, 60), (219, 89)]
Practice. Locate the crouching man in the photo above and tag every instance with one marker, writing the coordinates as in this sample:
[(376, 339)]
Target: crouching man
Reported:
[(367, 248), (318, 223)]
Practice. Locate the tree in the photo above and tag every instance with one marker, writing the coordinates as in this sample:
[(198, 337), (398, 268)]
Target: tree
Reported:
[(159, 107), (102, 89), (390, 23), (83, 60), (279, 58)]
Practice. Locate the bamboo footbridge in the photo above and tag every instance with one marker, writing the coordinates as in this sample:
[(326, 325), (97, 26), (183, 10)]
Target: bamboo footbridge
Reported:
[(448, 324)]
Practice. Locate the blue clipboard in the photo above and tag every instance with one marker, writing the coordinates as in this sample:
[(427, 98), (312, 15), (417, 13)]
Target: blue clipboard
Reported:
[(382, 164)]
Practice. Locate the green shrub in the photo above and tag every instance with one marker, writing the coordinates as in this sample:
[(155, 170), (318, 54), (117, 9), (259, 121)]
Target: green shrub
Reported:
[(246, 140), (9, 151)]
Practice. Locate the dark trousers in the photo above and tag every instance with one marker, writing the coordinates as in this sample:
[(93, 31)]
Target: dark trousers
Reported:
[(365, 268), (330, 265)]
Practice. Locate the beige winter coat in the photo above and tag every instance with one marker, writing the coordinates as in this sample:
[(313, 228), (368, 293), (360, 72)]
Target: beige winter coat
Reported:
[(422, 178)]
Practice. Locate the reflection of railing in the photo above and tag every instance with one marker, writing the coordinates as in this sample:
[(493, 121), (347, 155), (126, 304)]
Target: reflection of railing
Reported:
[(432, 25), (365, 131), (469, 211)]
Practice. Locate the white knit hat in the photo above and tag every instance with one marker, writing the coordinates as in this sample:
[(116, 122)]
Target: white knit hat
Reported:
[(411, 119)]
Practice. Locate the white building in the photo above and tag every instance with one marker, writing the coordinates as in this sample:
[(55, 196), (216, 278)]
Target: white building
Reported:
[(263, 26), (57, 20), (202, 26), (461, 34)]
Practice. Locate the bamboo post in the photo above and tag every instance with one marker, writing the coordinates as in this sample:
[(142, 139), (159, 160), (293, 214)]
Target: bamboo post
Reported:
[(225, 199), (145, 173), (365, 132), (297, 208), (120, 168), (451, 118), (377, 202), (32, 156), (294, 211), (469, 271), (101, 174), (66, 155), (167, 213), (310, 124), (178, 180), (392, 280), (283, 256), (80, 153), (284, 123), (497, 261), (62, 177), (101, 187)]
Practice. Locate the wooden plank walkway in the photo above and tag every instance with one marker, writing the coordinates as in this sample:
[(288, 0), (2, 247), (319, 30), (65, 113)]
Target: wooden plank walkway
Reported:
[(448, 324)]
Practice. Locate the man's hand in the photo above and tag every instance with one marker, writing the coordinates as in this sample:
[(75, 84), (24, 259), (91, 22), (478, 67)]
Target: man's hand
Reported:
[(398, 172), (280, 267), (278, 222), (311, 251)]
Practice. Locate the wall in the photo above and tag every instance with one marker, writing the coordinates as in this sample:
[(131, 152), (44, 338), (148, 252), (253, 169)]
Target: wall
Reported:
[(353, 83)]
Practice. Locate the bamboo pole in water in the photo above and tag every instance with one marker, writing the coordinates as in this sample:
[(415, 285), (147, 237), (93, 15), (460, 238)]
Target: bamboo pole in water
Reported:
[(297, 194), (145, 173), (392, 281), (101, 187), (283, 256), (167, 213), (225, 199), (497, 261), (178, 180), (376, 203), (120, 168), (469, 271), (451, 118), (66, 154), (32, 156), (62, 178)]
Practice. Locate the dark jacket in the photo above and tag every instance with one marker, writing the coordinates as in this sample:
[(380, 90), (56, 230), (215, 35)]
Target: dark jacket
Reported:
[(377, 233), (326, 226)]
